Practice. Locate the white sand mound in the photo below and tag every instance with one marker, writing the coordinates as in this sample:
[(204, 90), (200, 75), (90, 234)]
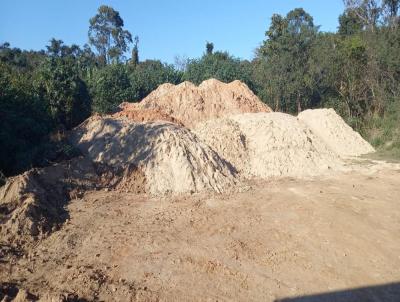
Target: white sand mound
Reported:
[(172, 159), (211, 99), (268, 144), (333, 130)]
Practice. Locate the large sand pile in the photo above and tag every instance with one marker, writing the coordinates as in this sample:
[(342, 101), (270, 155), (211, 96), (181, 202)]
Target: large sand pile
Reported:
[(170, 158), (191, 104), (268, 144), (333, 130)]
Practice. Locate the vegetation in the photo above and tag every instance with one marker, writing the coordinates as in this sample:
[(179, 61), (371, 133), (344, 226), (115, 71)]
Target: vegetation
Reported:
[(355, 70)]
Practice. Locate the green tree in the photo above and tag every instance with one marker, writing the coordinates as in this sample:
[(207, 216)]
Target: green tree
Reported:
[(135, 52), (148, 75), (349, 23), (367, 11), (218, 65), (111, 86), (209, 48), (391, 10), (107, 35), (24, 121), (66, 93), (287, 51)]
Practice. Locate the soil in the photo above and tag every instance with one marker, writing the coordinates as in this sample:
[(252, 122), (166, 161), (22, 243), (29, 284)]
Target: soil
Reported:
[(191, 104), (144, 115), (281, 239)]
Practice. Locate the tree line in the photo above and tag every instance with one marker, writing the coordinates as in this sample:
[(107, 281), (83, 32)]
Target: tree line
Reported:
[(355, 70)]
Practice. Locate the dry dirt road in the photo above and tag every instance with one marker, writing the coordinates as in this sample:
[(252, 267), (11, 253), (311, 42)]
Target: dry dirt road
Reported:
[(333, 238)]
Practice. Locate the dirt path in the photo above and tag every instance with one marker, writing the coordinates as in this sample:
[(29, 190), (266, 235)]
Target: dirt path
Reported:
[(280, 239)]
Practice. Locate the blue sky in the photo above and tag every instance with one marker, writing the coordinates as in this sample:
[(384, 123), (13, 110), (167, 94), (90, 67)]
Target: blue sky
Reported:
[(165, 28)]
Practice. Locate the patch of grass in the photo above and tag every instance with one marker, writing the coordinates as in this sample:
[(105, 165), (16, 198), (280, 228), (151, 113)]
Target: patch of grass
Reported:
[(384, 133)]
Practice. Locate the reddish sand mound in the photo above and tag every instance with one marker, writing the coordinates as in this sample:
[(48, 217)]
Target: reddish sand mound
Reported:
[(131, 112), (191, 104)]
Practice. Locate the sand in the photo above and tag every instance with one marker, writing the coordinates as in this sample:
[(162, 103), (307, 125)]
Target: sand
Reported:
[(170, 157), (268, 144), (144, 115), (191, 104), (334, 131)]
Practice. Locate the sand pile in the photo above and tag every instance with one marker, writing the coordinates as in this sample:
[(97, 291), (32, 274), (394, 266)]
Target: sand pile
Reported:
[(167, 158), (333, 130), (268, 144), (191, 104)]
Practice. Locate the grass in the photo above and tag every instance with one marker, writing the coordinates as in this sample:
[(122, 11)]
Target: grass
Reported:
[(384, 133)]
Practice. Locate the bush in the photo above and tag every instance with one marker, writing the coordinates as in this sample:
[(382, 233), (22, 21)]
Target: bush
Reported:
[(24, 121), (110, 86)]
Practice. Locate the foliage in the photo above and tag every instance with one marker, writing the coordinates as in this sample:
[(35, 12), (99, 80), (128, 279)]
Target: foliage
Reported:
[(24, 121), (219, 65), (148, 75), (107, 35), (64, 91), (109, 87), (287, 52)]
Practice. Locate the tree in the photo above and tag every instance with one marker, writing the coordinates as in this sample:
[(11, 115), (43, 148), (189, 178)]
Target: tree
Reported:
[(135, 52), (111, 86), (218, 65), (391, 9), (209, 48), (57, 49), (24, 121), (287, 51), (65, 92), (368, 11), (107, 35), (148, 75), (349, 23)]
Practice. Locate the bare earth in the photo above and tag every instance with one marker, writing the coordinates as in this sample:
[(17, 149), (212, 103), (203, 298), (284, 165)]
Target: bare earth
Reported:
[(278, 239)]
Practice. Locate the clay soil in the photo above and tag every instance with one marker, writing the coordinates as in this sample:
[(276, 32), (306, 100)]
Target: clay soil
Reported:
[(276, 240)]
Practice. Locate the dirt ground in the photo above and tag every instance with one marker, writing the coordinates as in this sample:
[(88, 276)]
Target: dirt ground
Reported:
[(277, 240)]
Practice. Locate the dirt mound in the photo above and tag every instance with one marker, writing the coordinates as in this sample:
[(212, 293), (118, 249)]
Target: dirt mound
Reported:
[(130, 111), (268, 144), (32, 204), (211, 99), (170, 158), (334, 131)]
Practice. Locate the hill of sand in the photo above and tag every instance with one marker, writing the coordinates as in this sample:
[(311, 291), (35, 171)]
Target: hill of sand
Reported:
[(268, 144), (170, 158), (334, 131), (191, 104)]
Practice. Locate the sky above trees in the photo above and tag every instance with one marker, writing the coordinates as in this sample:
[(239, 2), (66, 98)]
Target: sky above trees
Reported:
[(165, 28)]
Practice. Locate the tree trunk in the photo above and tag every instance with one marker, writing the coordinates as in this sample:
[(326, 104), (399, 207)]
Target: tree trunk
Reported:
[(298, 103)]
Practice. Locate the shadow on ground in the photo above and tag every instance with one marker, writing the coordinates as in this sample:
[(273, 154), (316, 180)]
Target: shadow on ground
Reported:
[(381, 293)]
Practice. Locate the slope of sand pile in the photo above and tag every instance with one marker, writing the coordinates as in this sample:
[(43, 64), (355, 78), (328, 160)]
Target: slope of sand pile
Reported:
[(333, 130), (191, 104), (170, 158), (144, 115), (268, 144)]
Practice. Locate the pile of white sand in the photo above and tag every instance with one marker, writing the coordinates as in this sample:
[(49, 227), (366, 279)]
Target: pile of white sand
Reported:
[(171, 158), (191, 104), (333, 130), (268, 144)]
